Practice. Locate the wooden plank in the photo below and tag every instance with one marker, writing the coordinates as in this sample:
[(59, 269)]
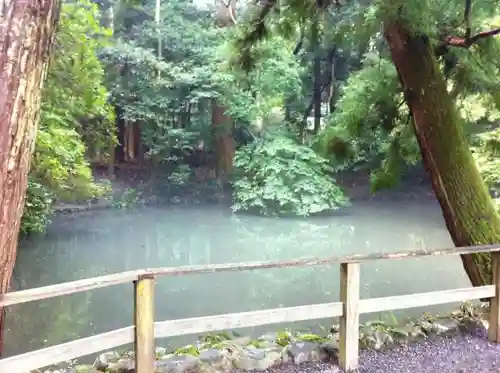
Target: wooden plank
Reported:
[(349, 321), (400, 302), (67, 288), (67, 351), (230, 321), (144, 336), (494, 319), (120, 278)]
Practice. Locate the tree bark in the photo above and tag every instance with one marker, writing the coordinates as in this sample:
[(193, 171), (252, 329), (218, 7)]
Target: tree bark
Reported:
[(223, 143), (26, 35), (468, 211), (318, 83), (224, 146)]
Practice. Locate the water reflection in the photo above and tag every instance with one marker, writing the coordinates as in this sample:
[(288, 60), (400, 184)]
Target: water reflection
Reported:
[(112, 241)]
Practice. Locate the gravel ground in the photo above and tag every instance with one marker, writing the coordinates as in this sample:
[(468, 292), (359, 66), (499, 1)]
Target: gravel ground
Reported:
[(459, 354)]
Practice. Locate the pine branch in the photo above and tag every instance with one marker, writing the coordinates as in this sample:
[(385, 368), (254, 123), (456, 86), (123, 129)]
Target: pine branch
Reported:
[(464, 42), (468, 40), (257, 32)]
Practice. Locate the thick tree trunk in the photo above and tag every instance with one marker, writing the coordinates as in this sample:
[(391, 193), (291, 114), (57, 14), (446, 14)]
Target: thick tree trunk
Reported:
[(26, 34), (223, 143), (468, 211), (221, 123)]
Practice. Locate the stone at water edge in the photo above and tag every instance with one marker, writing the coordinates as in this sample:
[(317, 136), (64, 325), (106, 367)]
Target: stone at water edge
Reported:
[(301, 352), (177, 364), (124, 365), (446, 326), (329, 351), (257, 358), (214, 361), (103, 360), (160, 352)]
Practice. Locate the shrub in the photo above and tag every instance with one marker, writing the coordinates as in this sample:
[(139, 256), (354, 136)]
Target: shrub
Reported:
[(277, 176)]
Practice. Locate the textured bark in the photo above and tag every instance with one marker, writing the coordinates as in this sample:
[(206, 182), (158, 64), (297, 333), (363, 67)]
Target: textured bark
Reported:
[(318, 79), (223, 143), (221, 123), (26, 33), (468, 211)]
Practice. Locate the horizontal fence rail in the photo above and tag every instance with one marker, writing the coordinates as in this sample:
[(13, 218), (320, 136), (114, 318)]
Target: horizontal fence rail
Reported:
[(145, 329)]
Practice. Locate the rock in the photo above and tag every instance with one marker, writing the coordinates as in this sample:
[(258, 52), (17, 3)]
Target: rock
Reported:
[(472, 325), (446, 326), (126, 365), (377, 339), (214, 361), (335, 329), (177, 364), (160, 352), (236, 344), (257, 358), (428, 327), (408, 333), (301, 352), (103, 360), (329, 351)]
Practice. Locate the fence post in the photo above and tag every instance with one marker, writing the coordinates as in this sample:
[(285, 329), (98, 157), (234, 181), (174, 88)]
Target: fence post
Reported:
[(494, 325), (349, 321), (144, 336)]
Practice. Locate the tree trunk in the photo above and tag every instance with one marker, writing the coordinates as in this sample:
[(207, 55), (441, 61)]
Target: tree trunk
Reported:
[(223, 143), (468, 211), (318, 82), (221, 123), (26, 34)]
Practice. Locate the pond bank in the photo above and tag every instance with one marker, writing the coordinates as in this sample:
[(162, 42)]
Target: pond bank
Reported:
[(424, 345), (129, 190)]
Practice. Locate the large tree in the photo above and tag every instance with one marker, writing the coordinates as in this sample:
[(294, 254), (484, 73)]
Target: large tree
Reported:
[(416, 41), (470, 215), (26, 34), (222, 125)]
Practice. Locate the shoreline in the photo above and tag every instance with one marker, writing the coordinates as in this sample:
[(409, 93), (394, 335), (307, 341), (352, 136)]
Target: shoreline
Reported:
[(133, 193), (284, 350)]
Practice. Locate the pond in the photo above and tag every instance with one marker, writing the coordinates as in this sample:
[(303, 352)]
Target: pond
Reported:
[(108, 241)]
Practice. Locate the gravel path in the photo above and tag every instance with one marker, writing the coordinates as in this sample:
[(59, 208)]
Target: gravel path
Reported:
[(470, 353)]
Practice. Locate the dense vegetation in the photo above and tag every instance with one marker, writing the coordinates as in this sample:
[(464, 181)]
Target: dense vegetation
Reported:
[(276, 102)]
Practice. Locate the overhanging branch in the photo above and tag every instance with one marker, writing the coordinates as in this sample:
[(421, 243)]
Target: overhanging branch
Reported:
[(464, 42), (468, 40)]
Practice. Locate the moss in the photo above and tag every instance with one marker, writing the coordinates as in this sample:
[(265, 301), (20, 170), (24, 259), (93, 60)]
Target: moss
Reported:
[(470, 215), (283, 338), (310, 337), (83, 368), (187, 350), (210, 340)]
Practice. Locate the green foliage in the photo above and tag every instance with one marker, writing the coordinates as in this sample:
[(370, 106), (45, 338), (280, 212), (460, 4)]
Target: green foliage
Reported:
[(371, 122), (74, 108), (37, 208), (60, 164), (255, 94), (279, 176), (166, 90)]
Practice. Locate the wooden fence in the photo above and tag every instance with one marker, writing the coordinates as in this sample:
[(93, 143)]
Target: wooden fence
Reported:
[(145, 329)]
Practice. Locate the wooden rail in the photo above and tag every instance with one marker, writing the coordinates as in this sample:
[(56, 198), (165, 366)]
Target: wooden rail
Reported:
[(145, 329)]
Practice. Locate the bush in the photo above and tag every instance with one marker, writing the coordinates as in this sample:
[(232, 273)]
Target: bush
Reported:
[(37, 208), (277, 176)]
